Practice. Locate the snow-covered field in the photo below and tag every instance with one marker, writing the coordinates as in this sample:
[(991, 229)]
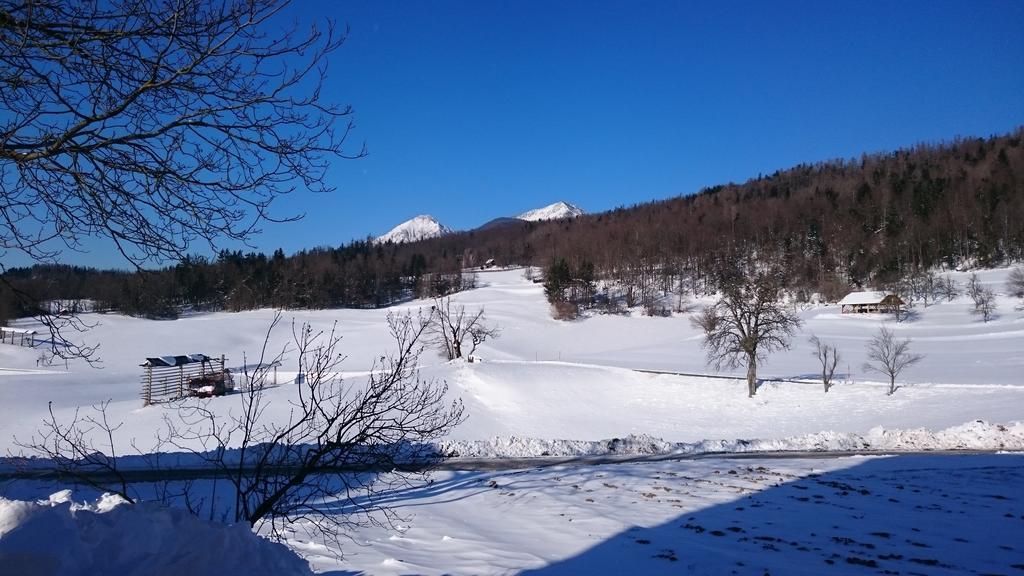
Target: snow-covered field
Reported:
[(544, 378), (547, 387)]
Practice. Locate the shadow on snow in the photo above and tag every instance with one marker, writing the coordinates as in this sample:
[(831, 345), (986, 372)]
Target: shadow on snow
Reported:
[(897, 515)]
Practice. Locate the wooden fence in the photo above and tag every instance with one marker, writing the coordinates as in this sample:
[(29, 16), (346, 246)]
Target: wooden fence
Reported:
[(18, 337), (265, 375)]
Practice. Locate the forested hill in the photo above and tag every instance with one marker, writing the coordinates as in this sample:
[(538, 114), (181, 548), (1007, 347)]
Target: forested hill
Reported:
[(855, 222), (830, 225)]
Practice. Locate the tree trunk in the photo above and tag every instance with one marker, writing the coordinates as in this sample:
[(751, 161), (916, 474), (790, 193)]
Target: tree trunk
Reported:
[(892, 385), (751, 376)]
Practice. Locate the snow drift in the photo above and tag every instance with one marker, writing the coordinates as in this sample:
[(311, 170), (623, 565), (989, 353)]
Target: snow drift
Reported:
[(976, 435), (58, 537)]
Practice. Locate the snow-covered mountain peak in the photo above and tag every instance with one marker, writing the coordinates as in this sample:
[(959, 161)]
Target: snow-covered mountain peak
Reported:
[(419, 228), (554, 211)]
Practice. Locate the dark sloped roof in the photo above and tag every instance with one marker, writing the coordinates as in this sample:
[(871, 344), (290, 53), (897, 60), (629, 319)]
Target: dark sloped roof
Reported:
[(170, 361)]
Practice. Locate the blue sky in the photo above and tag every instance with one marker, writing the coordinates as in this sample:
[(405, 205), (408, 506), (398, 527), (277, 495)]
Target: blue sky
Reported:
[(473, 110)]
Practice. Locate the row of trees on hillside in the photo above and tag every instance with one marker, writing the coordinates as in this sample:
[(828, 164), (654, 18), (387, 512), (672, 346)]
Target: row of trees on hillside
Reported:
[(881, 221), (875, 221), (358, 275)]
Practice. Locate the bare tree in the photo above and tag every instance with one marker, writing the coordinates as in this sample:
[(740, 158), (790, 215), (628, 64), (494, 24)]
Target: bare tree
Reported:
[(949, 288), (927, 286), (83, 449), (746, 323), (1015, 283), (281, 471), (452, 327), (323, 465), (828, 356), (985, 304), (974, 286), (156, 125), (890, 356)]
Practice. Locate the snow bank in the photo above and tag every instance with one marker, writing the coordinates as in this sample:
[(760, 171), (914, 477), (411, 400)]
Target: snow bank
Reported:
[(976, 435), (58, 537)]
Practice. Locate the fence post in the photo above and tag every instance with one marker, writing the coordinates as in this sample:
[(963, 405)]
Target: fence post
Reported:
[(181, 381), (147, 389)]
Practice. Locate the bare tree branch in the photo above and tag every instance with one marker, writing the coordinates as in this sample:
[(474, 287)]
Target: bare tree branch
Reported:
[(161, 126)]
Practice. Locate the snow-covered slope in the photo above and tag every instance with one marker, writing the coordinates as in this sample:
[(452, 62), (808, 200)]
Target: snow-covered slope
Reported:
[(575, 380), (554, 211), (419, 228)]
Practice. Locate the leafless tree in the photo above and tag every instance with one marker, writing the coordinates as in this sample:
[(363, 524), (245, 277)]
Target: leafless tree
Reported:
[(746, 323), (284, 473), (949, 288), (157, 125), (451, 327), (323, 465), (83, 449), (890, 356), (1015, 283), (828, 356), (974, 286), (985, 304), (927, 286)]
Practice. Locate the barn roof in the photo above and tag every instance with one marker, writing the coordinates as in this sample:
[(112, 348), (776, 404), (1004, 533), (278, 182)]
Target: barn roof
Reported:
[(161, 361), (863, 298)]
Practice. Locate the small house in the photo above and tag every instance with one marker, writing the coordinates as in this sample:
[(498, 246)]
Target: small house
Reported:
[(870, 302)]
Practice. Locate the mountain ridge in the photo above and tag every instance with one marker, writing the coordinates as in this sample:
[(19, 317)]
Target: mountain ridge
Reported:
[(555, 211), (421, 227)]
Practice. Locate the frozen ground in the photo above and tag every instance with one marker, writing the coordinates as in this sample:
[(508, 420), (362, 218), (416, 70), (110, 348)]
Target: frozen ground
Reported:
[(852, 515), (924, 515)]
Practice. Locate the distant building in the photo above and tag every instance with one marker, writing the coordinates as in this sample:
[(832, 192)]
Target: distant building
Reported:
[(870, 302)]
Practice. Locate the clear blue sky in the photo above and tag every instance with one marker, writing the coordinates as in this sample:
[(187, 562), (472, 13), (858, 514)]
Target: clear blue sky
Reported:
[(473, 110)]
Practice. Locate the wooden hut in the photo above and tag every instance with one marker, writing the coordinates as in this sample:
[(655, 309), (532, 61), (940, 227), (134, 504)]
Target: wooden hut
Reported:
[(171, 377), (870, 302)]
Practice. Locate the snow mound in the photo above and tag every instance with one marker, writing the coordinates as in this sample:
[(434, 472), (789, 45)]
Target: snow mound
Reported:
[(977, 435), (59, 537), (554, 211), (419, 228)]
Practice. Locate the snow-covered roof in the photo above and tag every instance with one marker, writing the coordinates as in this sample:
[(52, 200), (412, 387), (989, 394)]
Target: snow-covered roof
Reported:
[(165, 361), (863, 298), (17, 330)]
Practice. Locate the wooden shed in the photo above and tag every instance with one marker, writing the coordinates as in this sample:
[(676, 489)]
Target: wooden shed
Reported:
[(171, 377), (871, 302)]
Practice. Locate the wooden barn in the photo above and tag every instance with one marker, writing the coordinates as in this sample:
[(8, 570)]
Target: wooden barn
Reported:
[(871, 302)]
